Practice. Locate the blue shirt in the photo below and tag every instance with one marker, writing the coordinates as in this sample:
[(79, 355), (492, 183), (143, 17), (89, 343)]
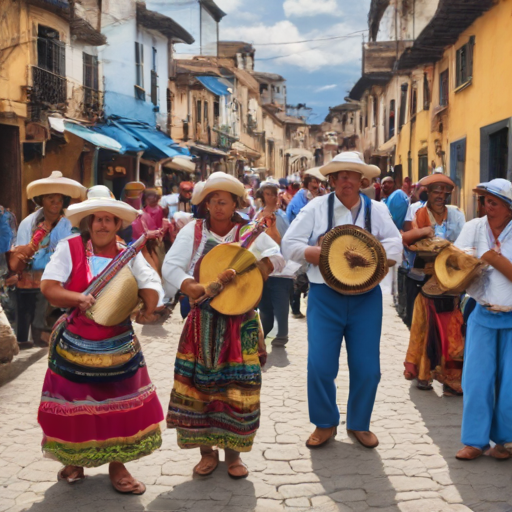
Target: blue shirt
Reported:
[(298, 202), (397, 203)]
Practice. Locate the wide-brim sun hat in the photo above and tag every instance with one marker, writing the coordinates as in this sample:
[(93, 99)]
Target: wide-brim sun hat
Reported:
[(100, 199), (270, 182), (314, 172), (219, 181), (436, 178), (500, 188), (56, 183), (350, 161)]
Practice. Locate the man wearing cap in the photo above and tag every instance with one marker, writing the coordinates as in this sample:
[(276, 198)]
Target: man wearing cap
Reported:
[(397, 201), (292, 187), (333, 316), (37, 238), (178, 202), (487, 378), (436, 317), (98, 404)]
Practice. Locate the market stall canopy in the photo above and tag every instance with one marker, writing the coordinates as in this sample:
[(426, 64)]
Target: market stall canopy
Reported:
[(97, 139), (202, 148), (240, 147), (159, 144), (218, 86), (181, 163), (127, 141)]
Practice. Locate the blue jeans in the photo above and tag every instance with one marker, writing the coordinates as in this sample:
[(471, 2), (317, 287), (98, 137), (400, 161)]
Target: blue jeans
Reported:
[(487, 379), (275, 302), (332, 317)]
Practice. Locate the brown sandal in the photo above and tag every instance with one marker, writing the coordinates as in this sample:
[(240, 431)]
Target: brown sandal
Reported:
[(469, 453), (314, 441), (238, 464), (75, 476), (213, 460), (499, 452), (138, 487)]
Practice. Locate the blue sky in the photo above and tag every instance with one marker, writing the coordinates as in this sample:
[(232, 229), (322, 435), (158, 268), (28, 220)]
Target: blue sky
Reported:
[(318, 73)]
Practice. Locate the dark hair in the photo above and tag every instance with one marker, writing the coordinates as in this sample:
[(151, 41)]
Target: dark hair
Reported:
[(66, 200), (261, 197), (202, 213), (308, 179)]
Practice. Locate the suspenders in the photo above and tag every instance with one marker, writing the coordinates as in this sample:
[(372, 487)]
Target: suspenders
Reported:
[(365, 200)]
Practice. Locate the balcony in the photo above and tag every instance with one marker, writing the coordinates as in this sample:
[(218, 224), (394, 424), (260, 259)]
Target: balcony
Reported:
[(48, 91), (92, 105)]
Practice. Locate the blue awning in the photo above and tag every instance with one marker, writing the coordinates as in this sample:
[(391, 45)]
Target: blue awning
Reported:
[(98, 139), (214, 84), (159, 144), (126, 139)]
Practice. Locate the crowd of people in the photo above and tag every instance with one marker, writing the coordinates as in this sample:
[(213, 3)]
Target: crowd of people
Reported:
[(102, 263)]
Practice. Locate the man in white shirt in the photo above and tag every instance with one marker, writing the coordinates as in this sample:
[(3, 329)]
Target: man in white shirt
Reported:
[(331, 315), (178, 202)]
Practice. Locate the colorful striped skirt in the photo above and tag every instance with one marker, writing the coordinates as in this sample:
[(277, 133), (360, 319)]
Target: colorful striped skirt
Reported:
[(98, 404), (215, 400)]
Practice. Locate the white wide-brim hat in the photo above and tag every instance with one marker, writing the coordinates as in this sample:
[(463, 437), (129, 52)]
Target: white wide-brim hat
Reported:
[(314, 172), (500, 188), (218, 181), (99, 199), (350, 161), (56, 184)]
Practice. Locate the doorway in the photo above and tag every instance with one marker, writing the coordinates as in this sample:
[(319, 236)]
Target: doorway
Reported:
[(10, 169)]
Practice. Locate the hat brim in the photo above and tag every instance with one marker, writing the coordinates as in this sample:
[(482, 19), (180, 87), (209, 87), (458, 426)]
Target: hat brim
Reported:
[(219, 186), (366, 170), (314, 172), (486, 192), (436, 178), (64, 186), (76, 212)]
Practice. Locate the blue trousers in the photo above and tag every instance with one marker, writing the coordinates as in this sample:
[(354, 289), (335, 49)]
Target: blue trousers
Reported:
[(275, 302), (332, 317), (487, 379)]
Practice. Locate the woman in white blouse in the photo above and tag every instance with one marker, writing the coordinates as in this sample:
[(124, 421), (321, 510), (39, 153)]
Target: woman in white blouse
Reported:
[(217, 379), (487, 375)]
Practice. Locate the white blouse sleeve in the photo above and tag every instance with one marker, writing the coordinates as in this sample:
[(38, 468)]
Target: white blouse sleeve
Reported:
[(60, 265), (265, 247), (177, 260), (147, 277)]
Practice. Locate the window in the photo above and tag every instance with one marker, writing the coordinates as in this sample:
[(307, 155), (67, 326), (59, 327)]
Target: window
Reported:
[(375, 111), (216, 113), (198, 112), (498, 154), (414, 101), (422, 165), (443, 88), (403, 103), (391, 118), (90, 63), (140, 94), (205, 116), (51, 53), (426, 92), (154, 79), (464, 63)]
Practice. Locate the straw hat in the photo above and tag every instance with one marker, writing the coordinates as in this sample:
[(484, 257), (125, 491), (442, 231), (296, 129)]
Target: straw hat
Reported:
[(56, 184), (352, 261), (270, 182), (219, 181), (350, 161), (455, 270), (100, 199), (198, 188), (437, 177), (314, 172), (500, 188)]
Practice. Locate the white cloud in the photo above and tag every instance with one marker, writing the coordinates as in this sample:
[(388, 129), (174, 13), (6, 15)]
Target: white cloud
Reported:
[(300, 8), (326, 88), (229, 6), (310, 56)]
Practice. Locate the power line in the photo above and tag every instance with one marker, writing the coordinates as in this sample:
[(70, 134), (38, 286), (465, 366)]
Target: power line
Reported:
[(352, 34)]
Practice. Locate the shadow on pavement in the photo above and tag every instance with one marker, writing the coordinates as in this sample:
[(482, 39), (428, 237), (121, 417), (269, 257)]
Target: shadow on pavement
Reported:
[(352, 476), (483, 484), (278, 357), (154, 331), (20, 363), (214, 493)]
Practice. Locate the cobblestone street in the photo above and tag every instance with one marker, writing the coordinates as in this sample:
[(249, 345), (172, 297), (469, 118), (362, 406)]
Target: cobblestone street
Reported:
[(413, 469)]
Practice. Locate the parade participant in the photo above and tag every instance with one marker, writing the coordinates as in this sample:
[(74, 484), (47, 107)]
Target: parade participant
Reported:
[(310, 190), (487, 402), (396, 200), (217, 380), (275, 301), (179, 201), (37, 238), (292, 188), (436, 320), (333, 316), (98, 404)]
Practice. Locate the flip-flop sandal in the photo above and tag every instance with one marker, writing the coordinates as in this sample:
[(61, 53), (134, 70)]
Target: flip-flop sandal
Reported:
[(213, 456), (238, 464), (121, 491), (317, 445), (69, 480)]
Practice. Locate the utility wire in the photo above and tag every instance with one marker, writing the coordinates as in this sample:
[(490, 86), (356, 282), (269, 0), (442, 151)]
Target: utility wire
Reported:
[(352, 34)]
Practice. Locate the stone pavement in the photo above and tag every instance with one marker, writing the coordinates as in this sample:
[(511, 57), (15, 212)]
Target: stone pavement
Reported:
[(413, 469)]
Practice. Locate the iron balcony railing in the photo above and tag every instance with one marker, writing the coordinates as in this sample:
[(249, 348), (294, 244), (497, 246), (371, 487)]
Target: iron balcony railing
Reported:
[(92, 105), (48, 89)]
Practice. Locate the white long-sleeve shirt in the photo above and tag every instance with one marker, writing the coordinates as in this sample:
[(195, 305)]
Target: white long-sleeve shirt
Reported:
[(491, 287), (60, 266), (180, 261), (312, 222)]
